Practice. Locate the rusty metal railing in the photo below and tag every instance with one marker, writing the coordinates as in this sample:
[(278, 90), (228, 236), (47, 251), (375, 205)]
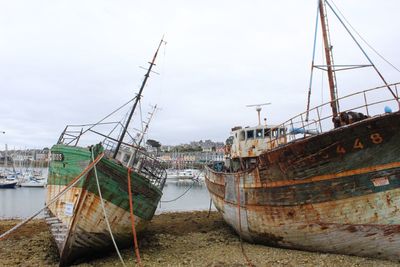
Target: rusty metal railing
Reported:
[(143, 163), (298, 127)]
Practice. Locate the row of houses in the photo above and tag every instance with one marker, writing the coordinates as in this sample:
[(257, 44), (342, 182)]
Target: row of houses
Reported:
[(196, 146), (190, 157), (25, 155)]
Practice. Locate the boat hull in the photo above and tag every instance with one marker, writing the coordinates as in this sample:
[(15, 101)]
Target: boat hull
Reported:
[(8, 185), (77, 220), (337, 192)]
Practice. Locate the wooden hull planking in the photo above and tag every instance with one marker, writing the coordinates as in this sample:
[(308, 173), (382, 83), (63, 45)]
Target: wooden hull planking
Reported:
[(77, 219)]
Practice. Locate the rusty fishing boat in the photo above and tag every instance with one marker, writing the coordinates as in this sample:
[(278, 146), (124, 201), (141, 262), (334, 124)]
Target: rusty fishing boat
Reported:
[(328, 183), (88, 190)]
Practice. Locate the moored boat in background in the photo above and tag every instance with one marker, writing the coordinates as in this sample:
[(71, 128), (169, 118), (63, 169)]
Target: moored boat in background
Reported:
[(4, 184)]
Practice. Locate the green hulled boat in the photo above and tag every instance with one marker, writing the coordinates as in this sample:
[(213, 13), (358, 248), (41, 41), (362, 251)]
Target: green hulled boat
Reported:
[(78, 219)]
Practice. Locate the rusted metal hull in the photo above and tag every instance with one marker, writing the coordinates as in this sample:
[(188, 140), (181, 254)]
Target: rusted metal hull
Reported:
[(336, 192), (77, 220)]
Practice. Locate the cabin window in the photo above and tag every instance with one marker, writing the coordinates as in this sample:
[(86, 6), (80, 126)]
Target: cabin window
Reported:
[(282, 131), (275, 133), (250, 134), (267, 132), (259, 133), (241, 136)]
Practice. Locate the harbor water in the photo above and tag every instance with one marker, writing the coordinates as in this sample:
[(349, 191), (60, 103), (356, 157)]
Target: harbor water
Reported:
[(22, 202)]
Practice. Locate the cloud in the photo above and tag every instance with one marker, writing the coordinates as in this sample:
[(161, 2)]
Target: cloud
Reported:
[(73, 62)]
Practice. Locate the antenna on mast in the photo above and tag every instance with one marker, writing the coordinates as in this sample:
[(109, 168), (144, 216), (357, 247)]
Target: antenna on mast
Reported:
[(258, 109), (138, 97)]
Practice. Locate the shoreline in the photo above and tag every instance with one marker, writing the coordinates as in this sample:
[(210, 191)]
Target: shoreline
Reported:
[(170, 239)]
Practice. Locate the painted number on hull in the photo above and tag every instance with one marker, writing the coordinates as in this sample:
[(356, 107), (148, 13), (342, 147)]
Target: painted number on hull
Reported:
[(57, 156), (340, 150), (376, 138), (358, 144)]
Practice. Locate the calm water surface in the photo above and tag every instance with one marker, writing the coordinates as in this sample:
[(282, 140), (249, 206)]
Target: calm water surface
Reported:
[(23, 202)]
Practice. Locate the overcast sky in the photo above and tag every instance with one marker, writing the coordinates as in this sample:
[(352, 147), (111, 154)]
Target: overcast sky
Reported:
[(72, 62)]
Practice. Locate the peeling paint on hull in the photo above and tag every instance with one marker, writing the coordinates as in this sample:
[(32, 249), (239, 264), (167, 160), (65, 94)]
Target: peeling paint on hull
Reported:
[(77, 221), (310, 195)]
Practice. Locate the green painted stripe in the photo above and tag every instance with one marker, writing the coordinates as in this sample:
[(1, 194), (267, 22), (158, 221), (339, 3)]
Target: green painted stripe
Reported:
[(112, 178)]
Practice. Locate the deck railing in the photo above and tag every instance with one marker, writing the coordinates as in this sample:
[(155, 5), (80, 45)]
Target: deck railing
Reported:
[(142, 163), (313, 122)]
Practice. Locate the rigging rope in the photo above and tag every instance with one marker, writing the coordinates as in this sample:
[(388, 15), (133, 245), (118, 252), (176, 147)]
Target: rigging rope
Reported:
[(359, 35), (105, 215), (312, 66), (61, 193), (133, 219), (184, 193), (109, 115)]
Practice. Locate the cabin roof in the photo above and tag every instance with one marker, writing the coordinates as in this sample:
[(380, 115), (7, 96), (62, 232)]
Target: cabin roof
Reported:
[(238, 129)]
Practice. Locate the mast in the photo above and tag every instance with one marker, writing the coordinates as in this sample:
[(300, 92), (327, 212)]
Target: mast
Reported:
[(138, 97), (329, 58), (134, 150)]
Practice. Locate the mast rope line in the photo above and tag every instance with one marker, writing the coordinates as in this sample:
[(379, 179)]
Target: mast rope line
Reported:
[(359, 35), (106, 117), (362, 50), (105, 215), (132, 216), (61, 193), (184, 193)]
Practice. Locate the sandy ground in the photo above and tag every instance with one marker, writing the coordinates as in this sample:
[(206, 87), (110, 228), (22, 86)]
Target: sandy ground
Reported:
[(171, 239)]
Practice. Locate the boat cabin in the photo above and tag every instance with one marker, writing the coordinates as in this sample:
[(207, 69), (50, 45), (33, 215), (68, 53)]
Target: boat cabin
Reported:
[(252, 141)]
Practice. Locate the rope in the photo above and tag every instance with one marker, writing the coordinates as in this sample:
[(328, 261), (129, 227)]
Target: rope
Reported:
[(133, 219), (359, 35), (184, 193), (249, 263), (62, 192), (105, 215)]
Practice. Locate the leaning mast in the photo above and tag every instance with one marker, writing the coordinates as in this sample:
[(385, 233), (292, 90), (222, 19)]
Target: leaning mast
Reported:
[(138, 97)]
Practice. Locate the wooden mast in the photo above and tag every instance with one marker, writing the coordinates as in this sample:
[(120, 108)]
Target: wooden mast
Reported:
[(329, 58), (138, 97)]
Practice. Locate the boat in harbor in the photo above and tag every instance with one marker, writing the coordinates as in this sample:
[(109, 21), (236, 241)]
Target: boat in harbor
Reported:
[(5, 184), (184, 174), (31, 181), (328, 183), (82, 218)]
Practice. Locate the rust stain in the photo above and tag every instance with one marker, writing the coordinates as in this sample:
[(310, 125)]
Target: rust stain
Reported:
[(370, 234), (351, 228), (335, 175), (388, 200), (291, 214), (390, 230)]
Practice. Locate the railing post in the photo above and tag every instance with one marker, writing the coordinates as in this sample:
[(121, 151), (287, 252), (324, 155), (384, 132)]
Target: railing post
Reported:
[(302, 123), (319, 120), (62, 135), (366, 103), (78, 137), (291, 123)]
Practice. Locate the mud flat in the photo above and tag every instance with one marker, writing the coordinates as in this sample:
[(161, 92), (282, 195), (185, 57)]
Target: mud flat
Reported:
[(171, 239)]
